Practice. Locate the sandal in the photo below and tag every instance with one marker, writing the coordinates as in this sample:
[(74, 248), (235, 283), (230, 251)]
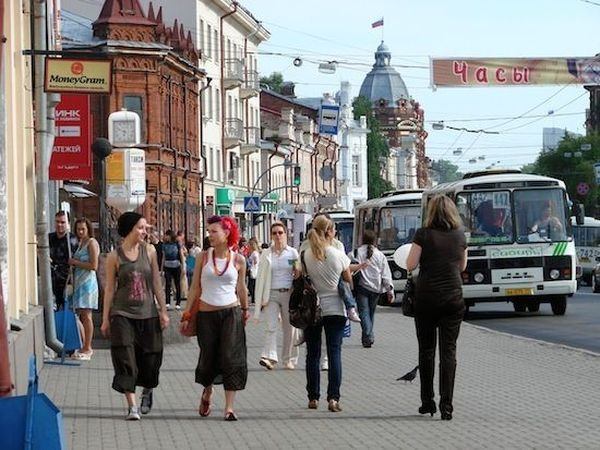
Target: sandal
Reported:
[(230, 417), (204, 409), (83, 356)]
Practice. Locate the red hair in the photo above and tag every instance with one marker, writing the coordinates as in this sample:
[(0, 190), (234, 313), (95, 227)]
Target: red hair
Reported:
[(228, 224)]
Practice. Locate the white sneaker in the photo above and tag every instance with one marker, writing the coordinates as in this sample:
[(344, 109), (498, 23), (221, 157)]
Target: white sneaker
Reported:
[(325, 365), (133, 413), (178, 307), (169, 307), (352, 315)]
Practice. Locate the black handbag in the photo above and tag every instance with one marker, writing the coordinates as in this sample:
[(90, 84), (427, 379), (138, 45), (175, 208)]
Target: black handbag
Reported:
[(408, 298), (305, 305)]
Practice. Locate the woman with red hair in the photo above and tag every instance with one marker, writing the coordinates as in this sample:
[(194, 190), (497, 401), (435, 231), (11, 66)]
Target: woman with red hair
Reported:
[(218, 283)]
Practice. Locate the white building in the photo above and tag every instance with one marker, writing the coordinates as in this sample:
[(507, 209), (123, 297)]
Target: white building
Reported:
[(551, 137)]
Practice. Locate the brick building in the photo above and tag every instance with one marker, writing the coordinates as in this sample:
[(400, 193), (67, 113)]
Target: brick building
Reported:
[(155, 74)]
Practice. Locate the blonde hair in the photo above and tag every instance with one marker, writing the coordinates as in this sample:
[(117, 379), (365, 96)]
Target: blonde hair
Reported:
[(317, 236), (253, 243), (442, 214)]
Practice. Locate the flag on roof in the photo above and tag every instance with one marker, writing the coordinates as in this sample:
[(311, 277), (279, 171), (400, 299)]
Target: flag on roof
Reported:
[(379, 23)]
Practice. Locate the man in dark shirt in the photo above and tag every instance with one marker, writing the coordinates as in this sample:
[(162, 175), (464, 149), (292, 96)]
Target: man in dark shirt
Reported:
[(59, 256)]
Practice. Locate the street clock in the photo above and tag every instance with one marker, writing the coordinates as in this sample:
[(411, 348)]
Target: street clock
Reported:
[(124, 129)]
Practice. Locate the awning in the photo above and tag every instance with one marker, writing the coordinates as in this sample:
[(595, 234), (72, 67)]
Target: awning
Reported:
[(77, 191)]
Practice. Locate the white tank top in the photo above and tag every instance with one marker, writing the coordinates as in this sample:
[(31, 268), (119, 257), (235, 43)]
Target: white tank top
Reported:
[(219, 290)]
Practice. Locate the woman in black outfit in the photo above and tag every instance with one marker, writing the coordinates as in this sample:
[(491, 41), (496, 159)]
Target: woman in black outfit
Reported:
[(440, 249)]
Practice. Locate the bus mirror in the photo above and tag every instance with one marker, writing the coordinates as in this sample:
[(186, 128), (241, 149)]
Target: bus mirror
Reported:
[(597, 258), (579, 213)]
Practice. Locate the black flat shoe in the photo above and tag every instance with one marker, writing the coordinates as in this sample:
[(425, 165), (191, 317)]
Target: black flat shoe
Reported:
[(446, 415), (230, 417), (429, 408)]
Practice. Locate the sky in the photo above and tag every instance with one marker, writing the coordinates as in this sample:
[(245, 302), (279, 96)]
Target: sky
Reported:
[(320, 30)]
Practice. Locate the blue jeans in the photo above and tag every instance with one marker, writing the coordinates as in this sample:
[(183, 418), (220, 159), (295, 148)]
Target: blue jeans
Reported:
[(346, 294), (367, 302), (334, 333)]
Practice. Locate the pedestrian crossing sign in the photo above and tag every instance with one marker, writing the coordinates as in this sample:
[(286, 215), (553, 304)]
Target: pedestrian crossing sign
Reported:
[(251, 204)]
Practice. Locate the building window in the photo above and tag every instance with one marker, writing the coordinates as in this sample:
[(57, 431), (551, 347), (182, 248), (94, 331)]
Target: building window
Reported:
[(218, 105), (202, 36), (216, 45), (206, 162), (355, 170), (209, 101), (219, 165), (208, 52)]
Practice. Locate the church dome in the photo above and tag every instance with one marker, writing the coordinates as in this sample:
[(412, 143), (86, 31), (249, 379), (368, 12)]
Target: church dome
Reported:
[(383, 82)]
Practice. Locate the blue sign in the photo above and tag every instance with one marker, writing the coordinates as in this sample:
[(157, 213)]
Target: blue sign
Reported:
[(251, 204), (329, 119)]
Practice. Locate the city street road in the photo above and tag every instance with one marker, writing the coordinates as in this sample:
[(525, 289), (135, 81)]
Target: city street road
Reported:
[(577, 328)]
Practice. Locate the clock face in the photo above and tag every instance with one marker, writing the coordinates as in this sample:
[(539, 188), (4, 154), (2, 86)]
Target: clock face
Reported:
[(123, 132)]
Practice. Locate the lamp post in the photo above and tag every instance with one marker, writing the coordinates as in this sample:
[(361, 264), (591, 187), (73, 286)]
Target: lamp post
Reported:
[(102, 148)]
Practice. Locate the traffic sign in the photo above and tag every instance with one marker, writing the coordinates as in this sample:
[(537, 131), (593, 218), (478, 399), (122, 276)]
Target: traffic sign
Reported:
[(583, 188), (251, 204)]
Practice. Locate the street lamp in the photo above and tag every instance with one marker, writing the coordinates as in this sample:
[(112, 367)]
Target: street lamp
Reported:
[(102, 148)]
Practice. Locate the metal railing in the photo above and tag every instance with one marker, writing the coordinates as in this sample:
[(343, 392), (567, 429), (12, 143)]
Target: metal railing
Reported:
[(234, 129)]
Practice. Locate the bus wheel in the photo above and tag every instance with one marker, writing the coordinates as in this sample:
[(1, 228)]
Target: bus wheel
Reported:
[(519, 306), (559, 306), (533, 306), (594, 283)]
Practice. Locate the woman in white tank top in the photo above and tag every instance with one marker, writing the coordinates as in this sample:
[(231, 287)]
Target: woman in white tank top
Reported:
[(223, 312)]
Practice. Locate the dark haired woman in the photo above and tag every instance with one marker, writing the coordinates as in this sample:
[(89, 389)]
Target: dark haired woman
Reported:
[(374, 279), (85, 283), (440, 249), (130, 316), (218, 283)]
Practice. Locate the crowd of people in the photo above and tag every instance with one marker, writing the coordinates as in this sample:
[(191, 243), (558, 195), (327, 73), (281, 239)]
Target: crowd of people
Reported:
[(229, 273)]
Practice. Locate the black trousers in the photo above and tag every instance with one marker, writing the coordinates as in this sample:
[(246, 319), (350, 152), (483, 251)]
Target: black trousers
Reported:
[(172, 274), (430, 326), (136, 348)]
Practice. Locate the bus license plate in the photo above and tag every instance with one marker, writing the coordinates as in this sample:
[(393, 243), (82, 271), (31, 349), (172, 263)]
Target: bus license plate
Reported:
[(524, 291)]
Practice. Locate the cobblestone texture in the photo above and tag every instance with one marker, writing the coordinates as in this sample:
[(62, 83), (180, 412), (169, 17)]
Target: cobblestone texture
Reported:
[(510, 393)]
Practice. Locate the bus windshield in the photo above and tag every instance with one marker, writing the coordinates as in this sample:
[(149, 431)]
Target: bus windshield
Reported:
[(397, 226), (488, 218), (344, 233)]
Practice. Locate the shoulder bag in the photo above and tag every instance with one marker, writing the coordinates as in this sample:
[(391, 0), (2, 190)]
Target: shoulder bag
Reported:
[(190, 329), (408, 298), (305, 305)]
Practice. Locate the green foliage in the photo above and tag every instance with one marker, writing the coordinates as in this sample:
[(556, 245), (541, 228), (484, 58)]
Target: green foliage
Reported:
[(573, 170), (377, 147), (445, 171), (273, 81)]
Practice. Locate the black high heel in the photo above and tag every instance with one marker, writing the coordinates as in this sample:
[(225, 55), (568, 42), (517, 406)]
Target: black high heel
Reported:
[(428, 408)]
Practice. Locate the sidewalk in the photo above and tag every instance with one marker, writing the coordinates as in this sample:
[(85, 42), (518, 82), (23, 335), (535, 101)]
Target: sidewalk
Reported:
[(510, 393)]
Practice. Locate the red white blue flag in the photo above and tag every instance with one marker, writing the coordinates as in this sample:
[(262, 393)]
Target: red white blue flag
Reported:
[(379, 23)]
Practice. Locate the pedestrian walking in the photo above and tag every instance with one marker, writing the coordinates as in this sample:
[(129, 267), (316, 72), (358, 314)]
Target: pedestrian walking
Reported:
[(62, 246), (324, 264), (218, 284), (172, 257), (85, 283), (439, 248), (183, 279), (131, 317), (277, 268), (253, 260), (371, 281), (193, 250)]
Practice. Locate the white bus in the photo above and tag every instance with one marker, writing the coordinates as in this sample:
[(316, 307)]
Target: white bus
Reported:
[(344, 225), (520, 240), (587, 246), (394, 218)]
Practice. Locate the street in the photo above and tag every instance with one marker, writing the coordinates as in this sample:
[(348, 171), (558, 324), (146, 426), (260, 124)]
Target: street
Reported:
[(510, 393), (577, 328)]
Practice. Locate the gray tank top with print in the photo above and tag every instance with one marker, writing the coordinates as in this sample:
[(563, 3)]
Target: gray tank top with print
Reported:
[(134, 297)]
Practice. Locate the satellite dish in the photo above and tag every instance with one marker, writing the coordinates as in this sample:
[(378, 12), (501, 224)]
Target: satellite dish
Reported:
[(401, 255)]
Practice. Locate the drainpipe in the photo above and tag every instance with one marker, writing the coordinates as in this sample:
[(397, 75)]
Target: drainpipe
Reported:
[(223, 96), (44, 138), (6, 385), (203, 156)]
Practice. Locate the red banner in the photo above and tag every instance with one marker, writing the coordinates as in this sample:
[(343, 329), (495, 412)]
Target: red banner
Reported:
[(71, 154)]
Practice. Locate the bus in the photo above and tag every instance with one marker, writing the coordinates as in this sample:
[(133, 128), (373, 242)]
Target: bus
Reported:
[(394, 218), (587, 246), (519, 237), (344, 225)]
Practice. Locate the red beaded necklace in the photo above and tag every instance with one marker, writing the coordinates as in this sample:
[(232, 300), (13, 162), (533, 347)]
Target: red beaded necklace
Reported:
[(214, 261)]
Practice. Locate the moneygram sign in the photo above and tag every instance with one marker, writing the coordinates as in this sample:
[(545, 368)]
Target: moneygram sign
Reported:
[(82, 76)]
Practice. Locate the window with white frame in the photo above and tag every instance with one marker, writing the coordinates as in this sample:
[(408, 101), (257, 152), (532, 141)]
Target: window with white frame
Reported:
[(355, 170), (211, 164), (217, 46), (209, 47), (217, 105), (209, 102), (219, 165), (202, 36)]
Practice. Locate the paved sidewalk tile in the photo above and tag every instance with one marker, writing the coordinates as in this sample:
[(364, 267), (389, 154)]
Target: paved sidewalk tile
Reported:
[(510, 393)]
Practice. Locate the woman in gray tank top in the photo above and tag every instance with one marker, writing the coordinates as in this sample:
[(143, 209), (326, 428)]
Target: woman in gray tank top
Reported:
[(130, 316)]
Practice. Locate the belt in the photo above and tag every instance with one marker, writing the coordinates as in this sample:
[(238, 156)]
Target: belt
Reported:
[(282, 290)]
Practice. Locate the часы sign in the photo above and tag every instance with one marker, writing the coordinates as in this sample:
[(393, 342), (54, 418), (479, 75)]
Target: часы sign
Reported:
[(89, 76)]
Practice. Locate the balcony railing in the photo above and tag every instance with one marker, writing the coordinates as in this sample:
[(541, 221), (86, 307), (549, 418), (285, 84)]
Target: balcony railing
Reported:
[(251, 140), (234, 132), (234, 73), (251, 85)]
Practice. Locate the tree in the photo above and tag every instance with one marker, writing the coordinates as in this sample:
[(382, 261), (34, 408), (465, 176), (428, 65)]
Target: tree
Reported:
[(445, 171), (574, 169), (273, 81), (377, 148)]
